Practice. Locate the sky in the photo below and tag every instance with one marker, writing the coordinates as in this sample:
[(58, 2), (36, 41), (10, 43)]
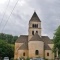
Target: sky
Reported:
[(47, 10)]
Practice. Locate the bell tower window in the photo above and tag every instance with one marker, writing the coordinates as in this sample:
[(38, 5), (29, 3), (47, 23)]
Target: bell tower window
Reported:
[(35, 25), (32, 32)]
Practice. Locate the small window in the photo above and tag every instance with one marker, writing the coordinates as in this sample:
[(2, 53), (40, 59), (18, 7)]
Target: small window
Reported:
[(33, 25), (47, 54), (32, 32), (36, 52), (23, 54), (37, 25), (36, 31)]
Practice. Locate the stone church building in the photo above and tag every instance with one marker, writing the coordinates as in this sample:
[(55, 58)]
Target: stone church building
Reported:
[(34, 44)]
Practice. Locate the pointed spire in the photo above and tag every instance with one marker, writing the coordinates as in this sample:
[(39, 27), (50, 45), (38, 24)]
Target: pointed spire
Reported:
[(35, 17)]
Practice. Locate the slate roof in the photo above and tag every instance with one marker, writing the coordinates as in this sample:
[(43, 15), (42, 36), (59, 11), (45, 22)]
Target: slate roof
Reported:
[(24, 39), (36, 37), (46, 47), (46, 41), (35, 18), (24, 46)]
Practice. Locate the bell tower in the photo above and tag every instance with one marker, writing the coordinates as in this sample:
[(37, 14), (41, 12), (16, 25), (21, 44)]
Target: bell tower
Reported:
[(34, 26)]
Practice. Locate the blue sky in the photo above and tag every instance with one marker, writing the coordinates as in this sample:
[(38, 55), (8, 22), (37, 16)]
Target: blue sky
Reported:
[(47, 10)]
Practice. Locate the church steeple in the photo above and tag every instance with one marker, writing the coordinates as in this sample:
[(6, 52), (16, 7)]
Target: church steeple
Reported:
[(34, 26), (35, 17)]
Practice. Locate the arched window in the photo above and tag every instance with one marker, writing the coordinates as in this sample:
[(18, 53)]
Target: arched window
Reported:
[(37, 25), (33, 25), (24, 54), (32, 32), (36, 52)]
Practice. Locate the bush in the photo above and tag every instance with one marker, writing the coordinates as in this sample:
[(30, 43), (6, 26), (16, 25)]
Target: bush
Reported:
[(27, 58)]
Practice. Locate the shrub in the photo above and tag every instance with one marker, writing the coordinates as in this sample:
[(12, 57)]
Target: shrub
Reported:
[(27, 58)]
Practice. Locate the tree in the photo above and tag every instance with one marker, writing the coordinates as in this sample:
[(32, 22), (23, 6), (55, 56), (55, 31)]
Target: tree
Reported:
[(14, 39), (8, 38), (6, 49), (56, 39), (2, 36)]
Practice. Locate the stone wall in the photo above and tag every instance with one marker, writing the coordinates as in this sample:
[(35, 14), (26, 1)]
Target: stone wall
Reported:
[(36, 45), (21, 52), (17, 45), (51, 54)]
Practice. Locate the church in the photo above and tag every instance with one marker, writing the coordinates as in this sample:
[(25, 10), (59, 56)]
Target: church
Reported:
[(34, 44)]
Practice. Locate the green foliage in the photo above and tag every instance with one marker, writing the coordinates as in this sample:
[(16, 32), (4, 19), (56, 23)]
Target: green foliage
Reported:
[(14, 39), (27, 58), (6, 49), (8, 38), (7, 45), (56, 39)]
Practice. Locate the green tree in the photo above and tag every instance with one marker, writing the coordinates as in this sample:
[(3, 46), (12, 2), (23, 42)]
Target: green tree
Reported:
[(56, 39), (6, 49), (8, 38), (2, 36), (14, 39)]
